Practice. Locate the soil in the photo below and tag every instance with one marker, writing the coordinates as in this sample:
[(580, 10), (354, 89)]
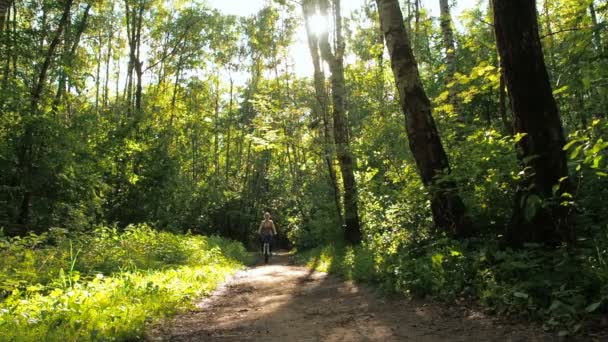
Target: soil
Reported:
[(284, 302)]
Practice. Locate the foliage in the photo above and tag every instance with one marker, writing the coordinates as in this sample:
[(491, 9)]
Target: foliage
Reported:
[(212, 125), (106, 285)]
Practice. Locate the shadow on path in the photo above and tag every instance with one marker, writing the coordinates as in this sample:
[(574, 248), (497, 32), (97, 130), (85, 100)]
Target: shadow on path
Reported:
[(282, 302)]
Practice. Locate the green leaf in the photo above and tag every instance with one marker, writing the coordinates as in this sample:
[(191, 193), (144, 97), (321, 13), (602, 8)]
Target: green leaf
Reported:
[(560, 90), (592, 307), (533, 202), (517, 137), (568, 145), (576, 151), (596, 162), (520, 295)]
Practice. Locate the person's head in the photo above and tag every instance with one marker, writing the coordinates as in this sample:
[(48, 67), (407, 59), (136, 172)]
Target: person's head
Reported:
[(267, 216)]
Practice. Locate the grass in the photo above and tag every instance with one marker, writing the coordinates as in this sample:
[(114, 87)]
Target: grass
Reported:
[(108, 285)]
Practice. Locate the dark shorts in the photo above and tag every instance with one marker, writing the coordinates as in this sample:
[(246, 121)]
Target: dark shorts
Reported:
[(267, 238)]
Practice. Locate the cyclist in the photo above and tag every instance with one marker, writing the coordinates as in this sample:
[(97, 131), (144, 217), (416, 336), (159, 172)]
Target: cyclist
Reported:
[(267, 231)]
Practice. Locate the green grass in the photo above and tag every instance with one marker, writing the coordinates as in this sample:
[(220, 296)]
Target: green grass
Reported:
[(352, 263), (108, 285)]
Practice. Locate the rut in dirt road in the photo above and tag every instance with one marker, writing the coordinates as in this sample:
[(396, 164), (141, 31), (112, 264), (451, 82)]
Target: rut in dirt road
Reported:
[(281, 302)]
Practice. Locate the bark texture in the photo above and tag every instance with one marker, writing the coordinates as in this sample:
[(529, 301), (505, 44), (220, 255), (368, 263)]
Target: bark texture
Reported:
[(447, 207), (536, 218), (335, 60)]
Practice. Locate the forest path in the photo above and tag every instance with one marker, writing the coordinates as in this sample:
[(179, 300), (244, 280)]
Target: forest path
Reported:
[(283, 302)]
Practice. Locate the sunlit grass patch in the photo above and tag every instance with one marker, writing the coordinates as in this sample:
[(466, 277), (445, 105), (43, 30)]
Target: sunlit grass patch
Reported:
[(78, 305)]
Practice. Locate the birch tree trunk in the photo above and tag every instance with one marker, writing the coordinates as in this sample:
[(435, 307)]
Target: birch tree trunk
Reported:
[(322, 106), (537, 216), (447, 207), (335, 60), (450, 52)]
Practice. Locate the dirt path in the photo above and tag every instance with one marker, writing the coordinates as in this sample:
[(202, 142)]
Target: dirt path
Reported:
[(281, 302)]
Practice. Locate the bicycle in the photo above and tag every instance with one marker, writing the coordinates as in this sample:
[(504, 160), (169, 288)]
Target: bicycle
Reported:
[(266, 247)]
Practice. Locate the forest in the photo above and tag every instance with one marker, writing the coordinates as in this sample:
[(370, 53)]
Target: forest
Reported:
[(455, 157)]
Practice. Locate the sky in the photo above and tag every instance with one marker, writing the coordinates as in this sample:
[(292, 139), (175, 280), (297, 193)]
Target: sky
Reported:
[(299, 49)]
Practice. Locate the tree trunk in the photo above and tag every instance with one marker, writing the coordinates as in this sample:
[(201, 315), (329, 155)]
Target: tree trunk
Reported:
[(502, 104), (4, 9), (228, 138), (138, 62), (450, 52), (25, 150), (134, 18), (39, 85), (335, 59), (70, 56), (549, 35), (537, 216), (447, 207), (322, 106), (597, 38), (106, 88), (128, 93), (178, 73), (216, 130), (6, 40), (98, 75)]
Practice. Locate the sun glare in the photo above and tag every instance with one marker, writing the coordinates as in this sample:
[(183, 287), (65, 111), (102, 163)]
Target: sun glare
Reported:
[(318, 24)]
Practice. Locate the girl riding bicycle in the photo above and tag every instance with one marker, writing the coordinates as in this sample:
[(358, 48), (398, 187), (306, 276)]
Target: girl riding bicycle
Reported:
[(267, 230)]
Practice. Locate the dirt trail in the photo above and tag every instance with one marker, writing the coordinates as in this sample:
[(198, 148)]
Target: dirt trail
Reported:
[(282, 302)]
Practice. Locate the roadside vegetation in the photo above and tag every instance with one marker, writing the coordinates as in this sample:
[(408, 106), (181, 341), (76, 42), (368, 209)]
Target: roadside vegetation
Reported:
[(460, 150), (105, 285)]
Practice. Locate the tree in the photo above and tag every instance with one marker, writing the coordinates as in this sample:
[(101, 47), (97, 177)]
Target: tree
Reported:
[(321, 107), (538, 215), (450, 53), (4, 6), (335, 60), (446, 205)]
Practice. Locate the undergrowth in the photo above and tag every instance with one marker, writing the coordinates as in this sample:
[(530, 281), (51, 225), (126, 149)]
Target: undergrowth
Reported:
[(106, 285), (561, 288)]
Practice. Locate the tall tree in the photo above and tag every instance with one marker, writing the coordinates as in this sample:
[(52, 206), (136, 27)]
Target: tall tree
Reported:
[(335, 60), (134, 16), (446, 205), (4, 6), (322, 107), (450, 53), (537, 215), (597, 37), (26, 153)]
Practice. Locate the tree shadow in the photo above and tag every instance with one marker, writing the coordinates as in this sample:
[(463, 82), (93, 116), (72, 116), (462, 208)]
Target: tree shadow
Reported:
[(282, 302)]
